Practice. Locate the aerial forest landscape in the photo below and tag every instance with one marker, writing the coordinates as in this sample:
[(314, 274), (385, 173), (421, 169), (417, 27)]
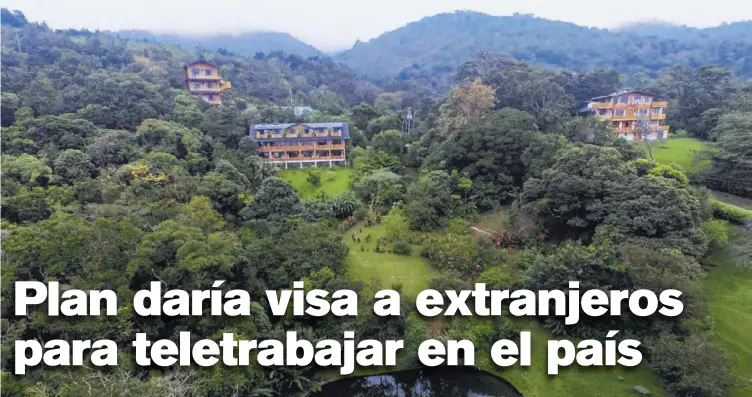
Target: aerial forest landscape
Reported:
[(515, 151)]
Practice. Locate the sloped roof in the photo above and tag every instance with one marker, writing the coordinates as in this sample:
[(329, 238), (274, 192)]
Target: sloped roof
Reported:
[(197, 62), (623, 92), (288, 125)]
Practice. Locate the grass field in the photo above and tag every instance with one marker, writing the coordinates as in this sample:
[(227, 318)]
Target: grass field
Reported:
[(334, 181), (728, 289), (414, 273), (681, 151), (573, 381)]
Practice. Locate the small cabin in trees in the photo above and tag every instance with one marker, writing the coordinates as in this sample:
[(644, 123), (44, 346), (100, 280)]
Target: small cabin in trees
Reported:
[(203, 79)]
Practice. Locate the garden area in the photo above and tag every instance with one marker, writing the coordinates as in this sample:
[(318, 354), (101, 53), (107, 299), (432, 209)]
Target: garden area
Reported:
[(728, 288), (311, 182), (681, 151), (415, 273)]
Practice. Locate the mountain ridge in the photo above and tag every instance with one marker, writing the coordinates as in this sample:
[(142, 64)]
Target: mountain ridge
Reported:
[(246, 43), (448, 39)]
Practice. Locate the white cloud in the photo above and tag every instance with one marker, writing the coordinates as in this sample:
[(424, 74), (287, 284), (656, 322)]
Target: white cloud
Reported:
[(336, 24)]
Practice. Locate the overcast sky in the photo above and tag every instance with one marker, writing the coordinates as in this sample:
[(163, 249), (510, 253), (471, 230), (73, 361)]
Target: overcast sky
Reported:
[(336, 24)]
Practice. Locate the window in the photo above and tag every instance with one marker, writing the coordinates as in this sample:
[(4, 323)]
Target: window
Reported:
[(619, 113), (194, 71), (210, 84), (211, 97), (656, 110), (208, 72), (196, 86)]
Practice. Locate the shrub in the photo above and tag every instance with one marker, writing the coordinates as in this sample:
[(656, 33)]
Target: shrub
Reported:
[(395, 225), (360, 213), (495, 278), (731, 214), (716, 230), (643, 166), (451, 252), (314, 179), (669, 172), (402, 248), (692, 367)]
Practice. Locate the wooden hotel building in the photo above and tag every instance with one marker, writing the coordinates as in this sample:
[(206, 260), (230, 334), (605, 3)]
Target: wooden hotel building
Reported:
[(631, 113), (302, 145)]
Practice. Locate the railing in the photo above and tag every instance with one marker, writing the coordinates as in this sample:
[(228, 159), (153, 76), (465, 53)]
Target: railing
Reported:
[(646, 105), (202, 76), (303, 158), (297, 148), (213, 90), (661, 116)]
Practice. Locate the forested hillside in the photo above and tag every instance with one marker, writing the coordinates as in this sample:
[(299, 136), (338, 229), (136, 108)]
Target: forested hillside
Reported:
[(434, 45), (247, 44), (113, 176)]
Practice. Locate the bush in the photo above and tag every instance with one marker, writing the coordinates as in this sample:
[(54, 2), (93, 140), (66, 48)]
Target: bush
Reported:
[(314, 179), (669, 172), (360, 213), (692, 367), (716, 230), (495, 278), (731, 214), (402, 248)]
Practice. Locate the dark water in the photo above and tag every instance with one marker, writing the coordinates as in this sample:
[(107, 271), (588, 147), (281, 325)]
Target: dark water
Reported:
[(426, 382)]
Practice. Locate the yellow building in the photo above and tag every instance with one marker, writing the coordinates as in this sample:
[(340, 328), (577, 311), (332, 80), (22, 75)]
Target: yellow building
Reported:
[(631, 113), (302, 144), (203, 79)]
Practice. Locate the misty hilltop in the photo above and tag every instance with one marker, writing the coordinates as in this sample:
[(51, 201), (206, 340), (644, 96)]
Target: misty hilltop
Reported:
[(247, 44), (444, 41)]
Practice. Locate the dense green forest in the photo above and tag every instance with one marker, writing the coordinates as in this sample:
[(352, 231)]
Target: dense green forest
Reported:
[(243, 44), (431, 49), (436, 45), (114, 176)]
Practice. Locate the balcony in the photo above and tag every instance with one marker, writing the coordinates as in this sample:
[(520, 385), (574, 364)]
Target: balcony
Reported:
[(658, 116), (202, 76), (204, 89), (300, 147), (661, 104), (302, 158)]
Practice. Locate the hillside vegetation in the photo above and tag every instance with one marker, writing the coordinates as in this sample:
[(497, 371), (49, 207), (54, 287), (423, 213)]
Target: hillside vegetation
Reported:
[(439, 43), (114, 177), (247, 44)]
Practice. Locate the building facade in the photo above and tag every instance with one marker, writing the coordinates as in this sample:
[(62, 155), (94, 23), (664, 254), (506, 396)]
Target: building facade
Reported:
[(302, 145), (633, 114), (203, 79)]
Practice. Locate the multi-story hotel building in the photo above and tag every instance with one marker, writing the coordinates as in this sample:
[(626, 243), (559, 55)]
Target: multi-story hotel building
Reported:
[(203, 79), (631, 113), (302, 144)]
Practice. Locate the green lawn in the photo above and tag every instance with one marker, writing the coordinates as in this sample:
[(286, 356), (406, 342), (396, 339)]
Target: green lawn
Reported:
[(573, 381), (334, 181), (680, 151), (728, 289), (414, 273)]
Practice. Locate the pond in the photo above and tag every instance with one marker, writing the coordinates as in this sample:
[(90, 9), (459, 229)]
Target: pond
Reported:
[(425, 382)]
